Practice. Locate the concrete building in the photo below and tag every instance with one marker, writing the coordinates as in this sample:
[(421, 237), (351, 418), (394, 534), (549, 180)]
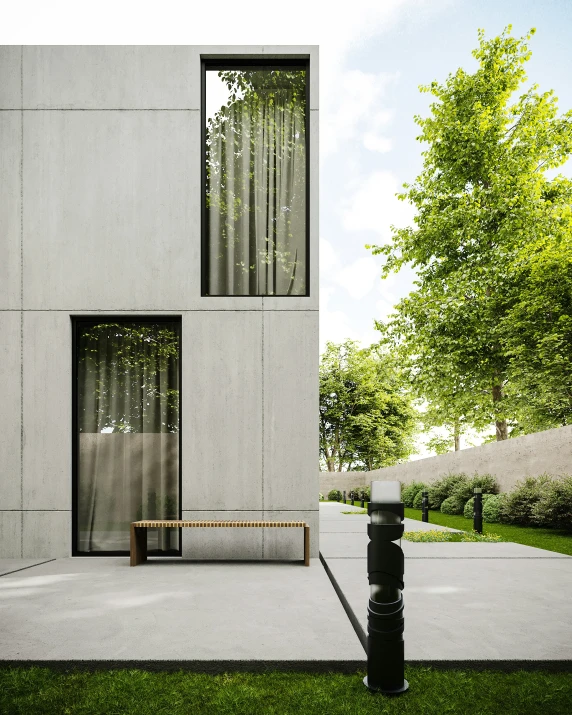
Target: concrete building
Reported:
[(158, 297)]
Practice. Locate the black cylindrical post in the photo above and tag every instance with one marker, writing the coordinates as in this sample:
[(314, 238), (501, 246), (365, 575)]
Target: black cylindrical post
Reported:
[(362, 503), (478, 510), (345, 498), (425, 506), (385, 623)]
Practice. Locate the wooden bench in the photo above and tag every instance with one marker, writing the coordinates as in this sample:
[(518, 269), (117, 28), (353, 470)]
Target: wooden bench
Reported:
[(139, 532)]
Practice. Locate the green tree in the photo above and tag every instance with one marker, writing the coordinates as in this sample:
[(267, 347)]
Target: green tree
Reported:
[(366, 418), (482, 200)]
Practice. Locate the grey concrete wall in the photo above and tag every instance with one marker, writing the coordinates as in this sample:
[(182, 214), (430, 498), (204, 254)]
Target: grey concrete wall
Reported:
[(100, 214), (509, 461)]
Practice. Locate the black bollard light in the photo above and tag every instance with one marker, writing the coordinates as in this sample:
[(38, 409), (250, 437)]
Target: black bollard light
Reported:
[(478, 510), (362, 503), (425, 506), (385, 622), (345, 498)]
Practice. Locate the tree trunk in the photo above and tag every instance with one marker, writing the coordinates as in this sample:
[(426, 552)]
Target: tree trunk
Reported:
[(501, 425), (457, 435)]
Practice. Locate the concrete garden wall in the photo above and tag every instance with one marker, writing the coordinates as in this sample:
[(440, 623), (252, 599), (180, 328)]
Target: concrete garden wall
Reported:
[(508, 461)]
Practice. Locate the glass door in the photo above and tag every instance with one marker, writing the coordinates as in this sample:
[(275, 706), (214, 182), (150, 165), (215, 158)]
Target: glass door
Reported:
[(127, 437)]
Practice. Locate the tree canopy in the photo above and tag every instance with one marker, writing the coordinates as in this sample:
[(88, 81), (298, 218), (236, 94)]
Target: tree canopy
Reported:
[(366, 417), (486, 335)]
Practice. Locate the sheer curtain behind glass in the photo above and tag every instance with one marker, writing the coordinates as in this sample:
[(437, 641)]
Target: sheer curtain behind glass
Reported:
[(128, 418), (256, 184)]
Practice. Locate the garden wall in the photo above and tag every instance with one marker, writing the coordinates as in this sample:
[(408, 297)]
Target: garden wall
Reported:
[(508, 461)]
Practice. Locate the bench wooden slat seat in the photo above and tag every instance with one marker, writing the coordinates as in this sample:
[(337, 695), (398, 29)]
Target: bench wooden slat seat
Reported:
[(138, 551)]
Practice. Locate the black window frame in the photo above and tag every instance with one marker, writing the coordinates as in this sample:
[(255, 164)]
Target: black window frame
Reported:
[(78, 321), (237, 63)]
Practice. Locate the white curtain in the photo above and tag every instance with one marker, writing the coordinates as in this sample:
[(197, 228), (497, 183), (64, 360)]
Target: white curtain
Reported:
[(256, 195), (128, 399)]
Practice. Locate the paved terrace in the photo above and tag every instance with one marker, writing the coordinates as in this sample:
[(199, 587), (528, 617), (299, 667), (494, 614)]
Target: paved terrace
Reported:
[(493, 602)]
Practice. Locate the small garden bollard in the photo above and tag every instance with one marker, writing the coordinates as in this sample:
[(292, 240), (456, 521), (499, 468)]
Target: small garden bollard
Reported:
[(345, 500), (385, 623), (478, 510), (362, 503), (425, 506)]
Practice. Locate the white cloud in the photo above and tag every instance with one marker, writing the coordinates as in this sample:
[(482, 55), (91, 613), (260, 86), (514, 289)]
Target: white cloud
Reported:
[(357, 278), (374, 142), (373, 206), (353, 109)]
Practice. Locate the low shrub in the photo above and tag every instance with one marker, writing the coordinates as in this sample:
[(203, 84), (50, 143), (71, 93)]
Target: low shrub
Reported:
[(553, 509), (443, 488), (335, 495), (409, 492), (353, 495), (364, 493), (491, 508), (321, 497), (464, 490), (519, 503), (417, 499), (451, 505)]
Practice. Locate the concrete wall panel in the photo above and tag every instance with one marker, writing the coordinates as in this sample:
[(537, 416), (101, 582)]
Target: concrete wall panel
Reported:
[(47, 411), (10, 534), (47, 534), (107, 220), (110, 77), (10, 411), (222, 410), (10, 207), (289, 543), (10, 74), (291, 357), (218, 543)]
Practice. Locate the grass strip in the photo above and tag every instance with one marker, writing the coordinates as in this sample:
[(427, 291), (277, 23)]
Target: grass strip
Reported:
[(549, 539), (42, 691), (450, 536)]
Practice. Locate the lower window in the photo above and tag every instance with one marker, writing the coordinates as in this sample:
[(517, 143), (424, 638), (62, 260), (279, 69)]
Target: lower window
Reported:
[(126, 433)]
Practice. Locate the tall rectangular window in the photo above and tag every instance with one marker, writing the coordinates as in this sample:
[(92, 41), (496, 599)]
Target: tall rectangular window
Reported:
[(126, 417), (255, 223)]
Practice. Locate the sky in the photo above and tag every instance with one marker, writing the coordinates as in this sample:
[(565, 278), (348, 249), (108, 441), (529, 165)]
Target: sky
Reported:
[(374, 54)]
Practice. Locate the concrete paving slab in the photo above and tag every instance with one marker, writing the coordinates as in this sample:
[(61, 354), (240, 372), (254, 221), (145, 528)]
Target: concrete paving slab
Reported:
[(12, 565), (102, 609), (490, 609)]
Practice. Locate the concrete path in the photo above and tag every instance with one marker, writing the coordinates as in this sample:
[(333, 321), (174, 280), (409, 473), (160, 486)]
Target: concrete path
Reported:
[(102, 609), (462, 601)]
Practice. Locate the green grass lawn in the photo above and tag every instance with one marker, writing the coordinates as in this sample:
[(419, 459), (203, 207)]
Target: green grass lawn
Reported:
[(39, 691), (550, 539)]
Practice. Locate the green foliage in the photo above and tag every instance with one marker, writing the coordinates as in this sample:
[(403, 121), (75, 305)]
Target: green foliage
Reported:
[(553, 508), (364, 493), (367, 419), (464, 490), (519, 503), (409, 492), (451, 505), (418, 500), (443, 488), (334, 495), (487, 334), (491, 507)]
